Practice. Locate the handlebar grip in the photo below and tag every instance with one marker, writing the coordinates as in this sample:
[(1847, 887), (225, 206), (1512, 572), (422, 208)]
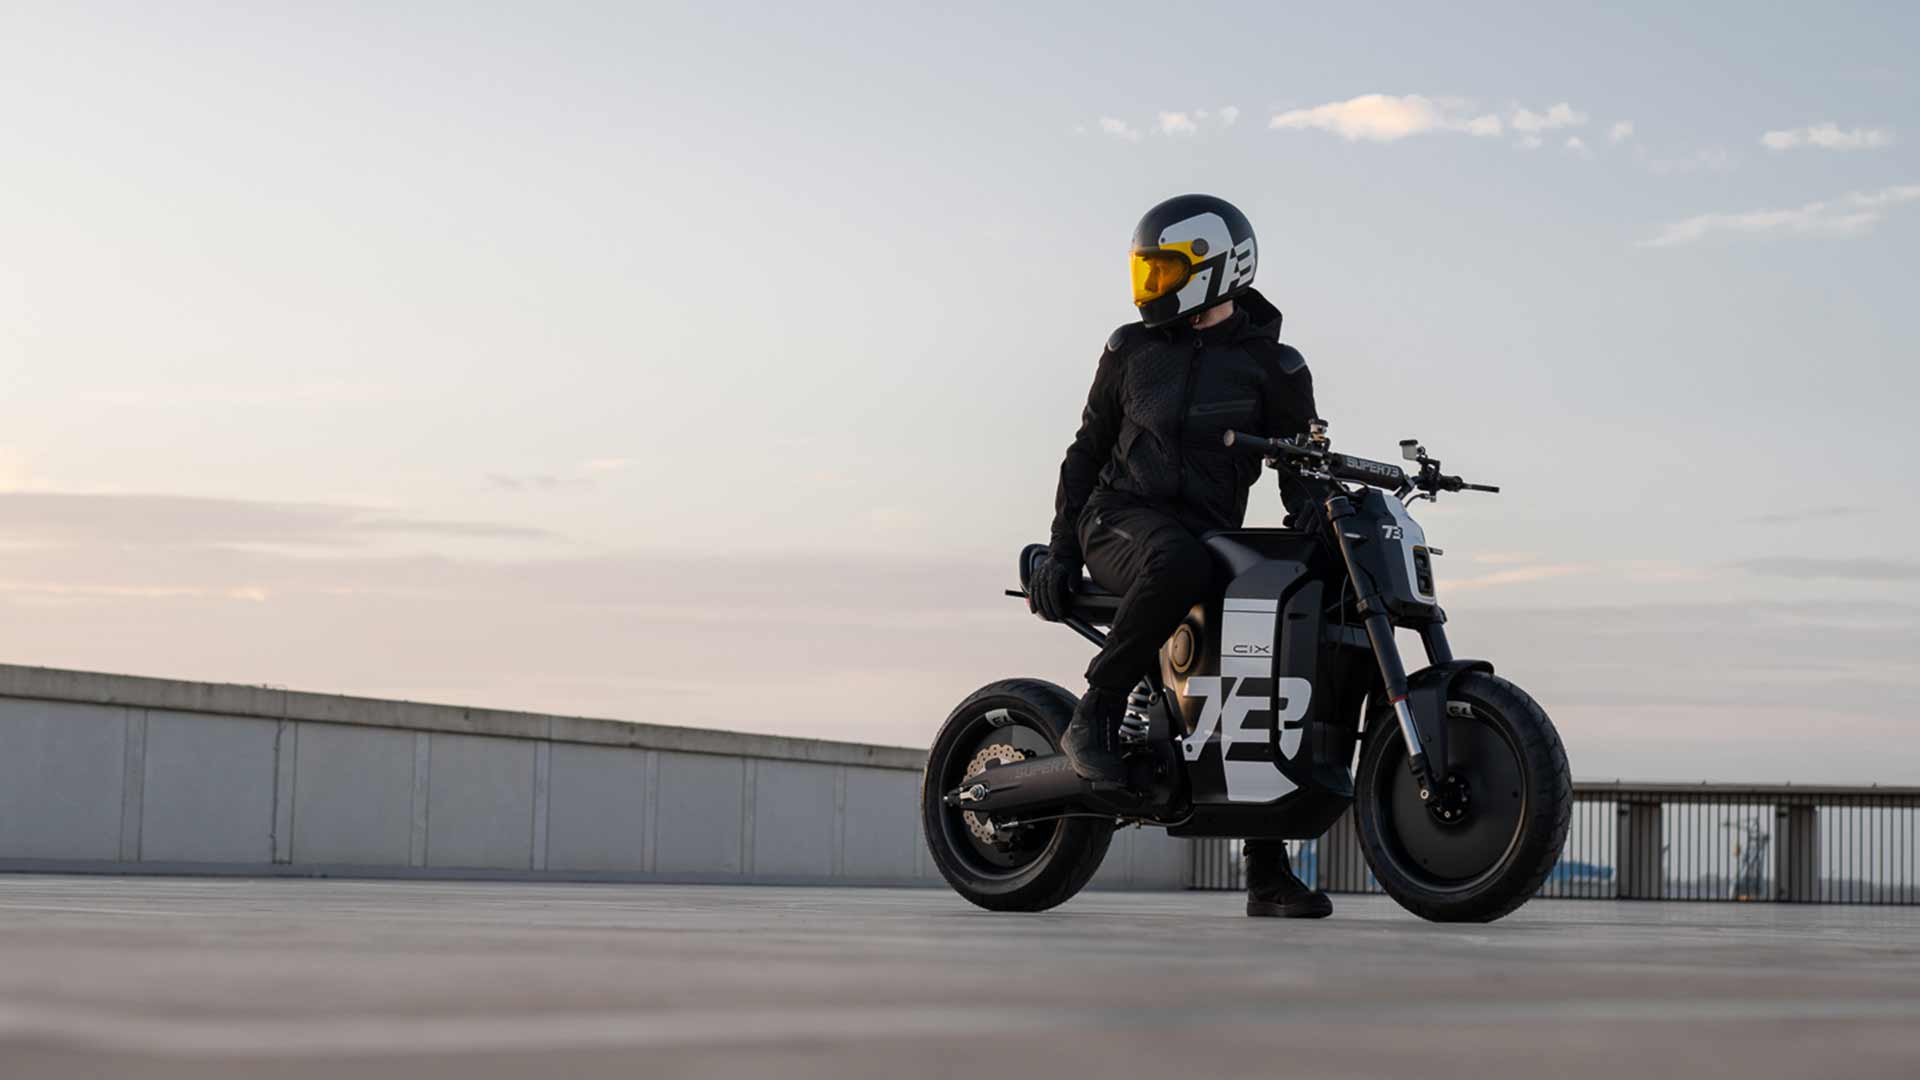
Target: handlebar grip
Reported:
[(1454, 483), (1240, 440), (1267, 448)]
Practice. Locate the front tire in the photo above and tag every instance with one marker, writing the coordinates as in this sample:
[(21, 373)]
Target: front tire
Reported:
[(1039, 866), (1485, 849)]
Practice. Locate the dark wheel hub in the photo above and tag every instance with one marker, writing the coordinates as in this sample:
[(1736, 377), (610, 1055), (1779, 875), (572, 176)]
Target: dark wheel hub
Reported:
[(1451, 801)]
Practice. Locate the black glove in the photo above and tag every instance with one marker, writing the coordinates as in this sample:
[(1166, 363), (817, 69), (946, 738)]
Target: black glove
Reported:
[(1307, 511), (1313, 521), (1050, 588)]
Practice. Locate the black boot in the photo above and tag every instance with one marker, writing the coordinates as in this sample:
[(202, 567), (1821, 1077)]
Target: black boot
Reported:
[(1273, 891), (1092, 740)]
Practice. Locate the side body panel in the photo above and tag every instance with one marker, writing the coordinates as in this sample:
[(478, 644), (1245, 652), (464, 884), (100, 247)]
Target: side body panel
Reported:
[(1268, 714)]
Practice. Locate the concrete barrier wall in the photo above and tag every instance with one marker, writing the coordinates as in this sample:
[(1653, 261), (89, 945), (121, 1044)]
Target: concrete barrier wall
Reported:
[(114, 773)]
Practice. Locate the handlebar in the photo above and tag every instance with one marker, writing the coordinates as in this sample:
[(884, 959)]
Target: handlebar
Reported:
[(1353, 469)]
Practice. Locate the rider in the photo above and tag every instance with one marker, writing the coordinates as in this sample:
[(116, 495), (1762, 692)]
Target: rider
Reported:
[(1147, 474)]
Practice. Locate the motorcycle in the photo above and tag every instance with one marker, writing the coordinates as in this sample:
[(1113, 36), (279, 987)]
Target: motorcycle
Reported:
[(1461, 794)]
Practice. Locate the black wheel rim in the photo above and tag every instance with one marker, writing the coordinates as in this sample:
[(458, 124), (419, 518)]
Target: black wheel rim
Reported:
[(1026, 846), (1454, 856)]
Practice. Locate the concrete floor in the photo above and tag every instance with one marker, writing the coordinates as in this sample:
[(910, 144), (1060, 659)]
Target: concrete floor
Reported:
[(205, 978)]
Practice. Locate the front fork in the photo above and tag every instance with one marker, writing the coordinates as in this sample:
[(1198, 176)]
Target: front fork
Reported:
[(1426, 757)]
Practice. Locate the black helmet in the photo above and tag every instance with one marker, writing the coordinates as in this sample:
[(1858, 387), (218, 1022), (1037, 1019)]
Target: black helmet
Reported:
[(1190, 253)]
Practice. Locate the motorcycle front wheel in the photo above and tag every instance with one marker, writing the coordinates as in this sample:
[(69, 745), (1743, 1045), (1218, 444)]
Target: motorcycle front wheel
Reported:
[(1491, 833), (1030, 867)]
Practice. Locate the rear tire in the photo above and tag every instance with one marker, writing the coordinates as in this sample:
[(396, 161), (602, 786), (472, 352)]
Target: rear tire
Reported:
[(1047, 862), (1495, 857)]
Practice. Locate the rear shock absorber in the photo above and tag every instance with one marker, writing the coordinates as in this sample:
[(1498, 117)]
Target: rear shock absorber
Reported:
[(1135, 722)]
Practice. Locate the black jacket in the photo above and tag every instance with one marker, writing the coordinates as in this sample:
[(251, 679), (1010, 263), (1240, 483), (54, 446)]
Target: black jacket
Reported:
[(1150, 434)]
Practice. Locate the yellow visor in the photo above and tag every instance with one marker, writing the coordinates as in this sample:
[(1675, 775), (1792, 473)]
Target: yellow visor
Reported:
[(1157, 273)]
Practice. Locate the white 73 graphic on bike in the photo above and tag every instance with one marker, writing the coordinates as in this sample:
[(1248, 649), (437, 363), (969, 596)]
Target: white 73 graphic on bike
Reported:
[(1226, 711)]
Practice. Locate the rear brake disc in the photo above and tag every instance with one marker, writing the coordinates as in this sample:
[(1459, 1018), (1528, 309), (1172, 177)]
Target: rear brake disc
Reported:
[(997, 754)]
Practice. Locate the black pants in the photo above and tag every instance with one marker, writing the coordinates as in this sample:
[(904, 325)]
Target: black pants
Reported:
[(1161, 570)]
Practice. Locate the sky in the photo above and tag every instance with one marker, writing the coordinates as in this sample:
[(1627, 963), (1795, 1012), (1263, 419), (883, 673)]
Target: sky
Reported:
[(709, 364)]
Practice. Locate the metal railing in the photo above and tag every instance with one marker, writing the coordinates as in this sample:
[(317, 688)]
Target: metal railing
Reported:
[(1730, 842)]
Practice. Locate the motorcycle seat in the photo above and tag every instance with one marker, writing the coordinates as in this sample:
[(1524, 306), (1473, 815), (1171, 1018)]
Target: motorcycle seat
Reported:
[(1234, 551)]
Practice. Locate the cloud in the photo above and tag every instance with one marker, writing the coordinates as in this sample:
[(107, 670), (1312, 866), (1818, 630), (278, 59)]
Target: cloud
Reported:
[(610, 635), (272, 394), (1578, 147), (1369, 118), (607, 464), (1763, 651), (1518, 575), (586, 474), (1820, 513), (1170, 122), (1848, 215), (1827, 137), (1387, 118), (644, 635), (1531, 142), (524, 481), (1801, 568), (1621, 131), (1558, 116), (250, 593), (1505, 558), (145, 521)]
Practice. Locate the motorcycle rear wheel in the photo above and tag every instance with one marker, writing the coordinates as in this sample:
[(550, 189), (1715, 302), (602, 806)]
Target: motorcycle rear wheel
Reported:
[(1038, 866), (1485, 843)]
